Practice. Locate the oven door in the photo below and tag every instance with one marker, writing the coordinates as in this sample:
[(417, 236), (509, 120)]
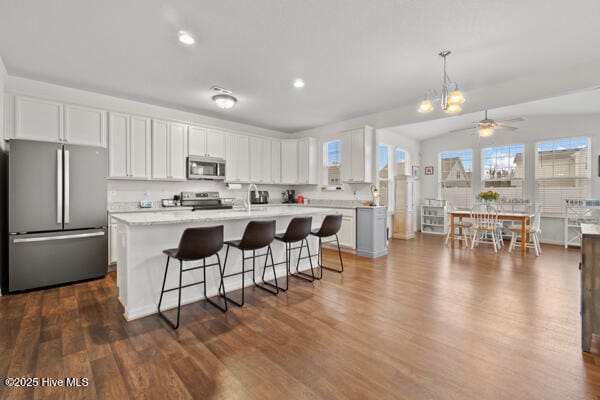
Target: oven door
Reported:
[(204, 168)]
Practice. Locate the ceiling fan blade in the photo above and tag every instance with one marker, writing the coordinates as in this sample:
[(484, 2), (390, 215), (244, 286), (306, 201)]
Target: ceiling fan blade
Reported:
[(462, 129), (506, 127), (519, 119)]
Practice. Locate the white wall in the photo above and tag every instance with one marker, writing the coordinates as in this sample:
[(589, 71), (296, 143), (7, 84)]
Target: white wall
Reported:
[(534, 129)]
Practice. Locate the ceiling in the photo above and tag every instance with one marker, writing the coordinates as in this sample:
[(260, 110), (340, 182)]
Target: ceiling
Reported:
[(356, 58), (580, 103)]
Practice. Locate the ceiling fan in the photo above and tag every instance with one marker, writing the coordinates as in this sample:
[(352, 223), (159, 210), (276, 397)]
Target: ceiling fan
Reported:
[(486, 126)]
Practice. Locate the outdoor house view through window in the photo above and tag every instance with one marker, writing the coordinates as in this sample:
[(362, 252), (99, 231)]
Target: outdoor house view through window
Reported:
[(562, 171), (503, 170), (333, 162), (456, 177), (383, 174)]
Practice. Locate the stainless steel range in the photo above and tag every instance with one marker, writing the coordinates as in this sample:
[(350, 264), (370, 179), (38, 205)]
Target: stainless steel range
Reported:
[(205, 201)]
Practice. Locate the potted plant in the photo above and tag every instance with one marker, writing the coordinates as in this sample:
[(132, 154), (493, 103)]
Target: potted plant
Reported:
[(488, 196)]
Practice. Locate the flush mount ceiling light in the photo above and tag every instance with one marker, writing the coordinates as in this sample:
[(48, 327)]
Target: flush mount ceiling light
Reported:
[(298, 83), (450, 98), (224, 101), (186, 37)]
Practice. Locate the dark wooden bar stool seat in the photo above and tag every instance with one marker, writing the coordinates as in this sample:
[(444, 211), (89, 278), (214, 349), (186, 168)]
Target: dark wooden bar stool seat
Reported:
[(195, 244), (297, 231), (330, 227), (257, 235)]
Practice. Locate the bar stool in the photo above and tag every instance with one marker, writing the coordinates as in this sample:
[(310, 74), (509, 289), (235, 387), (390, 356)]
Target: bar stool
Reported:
[(195, 244), (257, 235), (297, 231), (330, 227)]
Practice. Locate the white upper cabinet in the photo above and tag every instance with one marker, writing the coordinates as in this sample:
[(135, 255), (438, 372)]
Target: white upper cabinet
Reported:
[(276, 161), (266, 176), (177, 151), (140, 147), (237, 168), (38, 119), (206, 142), (197, 141), (307, 161), (51, 121), (129, 146), (357, 155), (160, 143), (256, 155), (118, 145), (84, 125), (289, 161), (215, 143)]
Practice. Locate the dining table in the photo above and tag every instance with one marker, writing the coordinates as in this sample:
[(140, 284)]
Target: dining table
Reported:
[(522, 217)]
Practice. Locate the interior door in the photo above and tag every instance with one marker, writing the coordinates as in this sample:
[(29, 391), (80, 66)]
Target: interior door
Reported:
[(35, 186), (85, 187)]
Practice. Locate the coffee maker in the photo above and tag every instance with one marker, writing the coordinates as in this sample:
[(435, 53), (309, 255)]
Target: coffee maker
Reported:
[(289, 196)]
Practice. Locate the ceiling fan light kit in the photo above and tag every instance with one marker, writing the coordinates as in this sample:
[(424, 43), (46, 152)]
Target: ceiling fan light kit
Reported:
[(450, 97)]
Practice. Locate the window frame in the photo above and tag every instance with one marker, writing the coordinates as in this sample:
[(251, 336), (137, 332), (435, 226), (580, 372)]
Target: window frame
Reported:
[(482, 169), (440, 181), (325, 166)]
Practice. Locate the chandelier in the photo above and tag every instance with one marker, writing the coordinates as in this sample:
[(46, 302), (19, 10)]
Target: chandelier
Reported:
[(450, 98)]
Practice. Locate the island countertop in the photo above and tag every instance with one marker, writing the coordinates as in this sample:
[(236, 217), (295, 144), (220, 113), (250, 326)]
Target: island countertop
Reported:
[(186, 216)]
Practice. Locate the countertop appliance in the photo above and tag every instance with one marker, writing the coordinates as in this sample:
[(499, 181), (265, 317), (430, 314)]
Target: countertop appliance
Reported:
[(205, 168), (205, 201), (289, 196), (57, 214), (259, 197)]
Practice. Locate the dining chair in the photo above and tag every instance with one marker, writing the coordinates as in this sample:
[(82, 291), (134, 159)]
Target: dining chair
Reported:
[(485, 226), (462, 229), (533, 233)]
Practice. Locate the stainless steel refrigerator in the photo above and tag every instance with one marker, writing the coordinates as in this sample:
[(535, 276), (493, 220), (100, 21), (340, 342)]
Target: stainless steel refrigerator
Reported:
[(57, 214)]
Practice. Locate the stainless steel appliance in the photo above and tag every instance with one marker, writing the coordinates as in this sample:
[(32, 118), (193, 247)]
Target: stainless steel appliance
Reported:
[(259, 197), (205, 201), (289, 196), (205, 168), (57, 214)]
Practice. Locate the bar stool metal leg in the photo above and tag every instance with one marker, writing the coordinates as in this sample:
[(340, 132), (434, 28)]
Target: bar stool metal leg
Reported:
[(300, 274), (243, 273), (266, 285), (176, 324), (337, 241), (220, 307)]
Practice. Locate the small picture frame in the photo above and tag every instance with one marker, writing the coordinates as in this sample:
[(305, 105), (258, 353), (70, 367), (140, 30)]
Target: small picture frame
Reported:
[(415, 171), (428, 170)]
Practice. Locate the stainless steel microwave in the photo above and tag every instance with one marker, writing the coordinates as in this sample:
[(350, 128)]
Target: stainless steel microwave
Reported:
[(205, 168)]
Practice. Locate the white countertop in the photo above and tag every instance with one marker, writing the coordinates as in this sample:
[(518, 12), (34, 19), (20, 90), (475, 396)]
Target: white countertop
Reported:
[(590, 229), (185, 216)]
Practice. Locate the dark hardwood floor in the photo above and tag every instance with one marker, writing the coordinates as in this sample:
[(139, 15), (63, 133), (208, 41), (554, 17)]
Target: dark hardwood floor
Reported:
[(427, 322)]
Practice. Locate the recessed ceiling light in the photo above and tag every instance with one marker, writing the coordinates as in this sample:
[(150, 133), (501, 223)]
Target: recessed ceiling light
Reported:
[(298, 83), (224, 101), (186, 37)]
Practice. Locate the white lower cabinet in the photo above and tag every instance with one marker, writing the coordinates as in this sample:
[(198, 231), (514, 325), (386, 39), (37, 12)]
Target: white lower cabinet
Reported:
[(112, 241), (347, 233)]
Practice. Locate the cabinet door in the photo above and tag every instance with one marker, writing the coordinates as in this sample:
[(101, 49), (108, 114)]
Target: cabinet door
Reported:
[(140, 148), (256, 155), (289, 161), (197, 141), (38, 119), (160, 134), (346, 168), (177, 150), (303, 161), (113, 244), (243, 155), (276, 161), (266, 162), (231, 160), (215, 143), (118, 145), (347, 233), (358, 156), (84, 125)]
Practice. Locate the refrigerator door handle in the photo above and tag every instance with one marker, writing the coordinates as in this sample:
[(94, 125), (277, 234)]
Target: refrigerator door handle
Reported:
[(59, 186), (67, 189), (62, 237)]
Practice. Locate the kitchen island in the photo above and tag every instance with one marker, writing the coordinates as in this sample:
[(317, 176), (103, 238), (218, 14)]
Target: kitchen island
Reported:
[(141, 238)]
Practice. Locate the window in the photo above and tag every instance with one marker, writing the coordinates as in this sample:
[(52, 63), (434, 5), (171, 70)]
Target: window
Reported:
[(333, 161), (456, 177), (401, 162), (503, 170), (384, 176), (562, 171)]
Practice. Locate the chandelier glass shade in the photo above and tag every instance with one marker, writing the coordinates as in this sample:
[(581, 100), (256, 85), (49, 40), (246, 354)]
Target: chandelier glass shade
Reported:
[(450, 97)]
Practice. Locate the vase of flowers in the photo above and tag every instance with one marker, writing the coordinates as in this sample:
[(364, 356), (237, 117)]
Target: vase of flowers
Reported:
[(489, 196)]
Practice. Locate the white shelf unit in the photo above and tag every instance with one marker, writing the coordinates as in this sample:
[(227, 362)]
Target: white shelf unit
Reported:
[(434, 217), (579, 212)]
